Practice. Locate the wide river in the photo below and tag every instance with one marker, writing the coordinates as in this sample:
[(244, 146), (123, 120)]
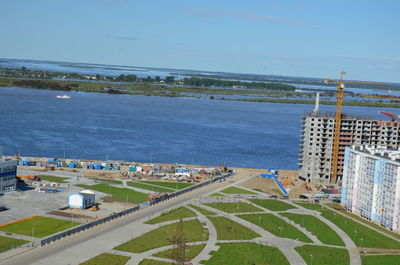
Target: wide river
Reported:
[(153, 129)]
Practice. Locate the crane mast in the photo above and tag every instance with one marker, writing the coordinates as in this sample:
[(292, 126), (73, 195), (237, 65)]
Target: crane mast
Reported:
[(336, 133), (338, 120)]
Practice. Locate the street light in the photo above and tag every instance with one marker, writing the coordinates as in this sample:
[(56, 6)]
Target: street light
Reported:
[(312, 259)]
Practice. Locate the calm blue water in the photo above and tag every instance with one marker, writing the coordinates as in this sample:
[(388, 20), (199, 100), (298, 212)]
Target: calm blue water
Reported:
[(158, 129)]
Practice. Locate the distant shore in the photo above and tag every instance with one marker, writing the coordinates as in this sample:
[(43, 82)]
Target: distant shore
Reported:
[(267, 95)]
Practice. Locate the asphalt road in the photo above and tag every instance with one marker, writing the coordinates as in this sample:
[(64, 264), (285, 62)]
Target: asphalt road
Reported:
[(33, 255)]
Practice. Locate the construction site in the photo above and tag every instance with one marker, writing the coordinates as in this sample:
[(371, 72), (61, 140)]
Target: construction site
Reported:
[(324, 137)]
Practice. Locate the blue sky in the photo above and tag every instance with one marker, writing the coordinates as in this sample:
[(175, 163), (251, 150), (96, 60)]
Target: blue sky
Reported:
[(282, 37)]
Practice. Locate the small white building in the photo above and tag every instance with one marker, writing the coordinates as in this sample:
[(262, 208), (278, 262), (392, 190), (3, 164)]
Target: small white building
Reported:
[(82, 200)]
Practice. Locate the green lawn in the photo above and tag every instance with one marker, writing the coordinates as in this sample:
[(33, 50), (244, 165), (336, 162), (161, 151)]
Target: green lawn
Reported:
[(176, 214), (113, 181), (320, 255), (360, 234), (148, 187), (7, 243), (230, 230), (217, 194), (41, 226), (153, 262), (161, 236), (381, 259), (234, 207), (191, 252), (310, 206), (276, 226), (246, 253), (107, 259), (365, 221), (321, 230), (120, 194), (172, 185), (236, 190), (273, 205), (202, 210), (53, 178)]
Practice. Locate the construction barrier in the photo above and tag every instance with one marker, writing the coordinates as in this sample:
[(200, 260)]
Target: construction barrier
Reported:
[(22, 220), (87, 226)]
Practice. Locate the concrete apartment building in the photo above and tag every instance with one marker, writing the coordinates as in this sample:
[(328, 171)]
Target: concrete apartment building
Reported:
[(317, 141), (8, 172), (371, 184)]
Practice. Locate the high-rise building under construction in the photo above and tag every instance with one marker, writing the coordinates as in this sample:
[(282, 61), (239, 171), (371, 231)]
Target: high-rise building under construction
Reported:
[(316, 143)]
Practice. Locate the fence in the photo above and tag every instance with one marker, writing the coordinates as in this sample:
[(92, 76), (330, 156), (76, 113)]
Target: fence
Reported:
[(84, 227)]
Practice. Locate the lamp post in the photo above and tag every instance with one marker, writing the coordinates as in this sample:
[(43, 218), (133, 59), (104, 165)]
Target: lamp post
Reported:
[(259, 220), (33, 233), (312, 259)]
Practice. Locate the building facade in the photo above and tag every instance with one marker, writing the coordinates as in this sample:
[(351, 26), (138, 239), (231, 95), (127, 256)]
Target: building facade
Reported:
[(316, 142), (371, 184), (8, 175)]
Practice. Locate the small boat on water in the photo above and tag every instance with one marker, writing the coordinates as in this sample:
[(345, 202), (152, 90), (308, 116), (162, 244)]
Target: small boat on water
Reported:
[(63, 96)]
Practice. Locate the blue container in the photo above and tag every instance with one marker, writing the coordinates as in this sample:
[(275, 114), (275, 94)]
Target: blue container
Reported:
[(97, 166), (108, 167), (58, 164), (90, 166), (71, 165), (132, 168), (116, 167)]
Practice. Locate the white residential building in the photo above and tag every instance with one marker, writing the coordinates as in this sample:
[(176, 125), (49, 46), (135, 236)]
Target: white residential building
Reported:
[(371, 184)]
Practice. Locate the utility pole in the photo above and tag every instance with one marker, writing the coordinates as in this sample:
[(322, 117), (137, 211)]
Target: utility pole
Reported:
[(178, 241)]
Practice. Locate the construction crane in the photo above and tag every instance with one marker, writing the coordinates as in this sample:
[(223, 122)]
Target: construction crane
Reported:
[(391, 115), (338, 119)]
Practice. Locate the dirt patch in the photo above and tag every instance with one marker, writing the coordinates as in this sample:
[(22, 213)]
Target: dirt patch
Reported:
[(266, 185), (70, 215)]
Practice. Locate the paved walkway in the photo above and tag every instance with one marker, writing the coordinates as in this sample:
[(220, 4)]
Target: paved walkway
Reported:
[(355, 258)]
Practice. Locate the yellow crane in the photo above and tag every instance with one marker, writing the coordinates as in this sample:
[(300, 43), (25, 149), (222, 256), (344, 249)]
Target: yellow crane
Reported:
[(338, 119)]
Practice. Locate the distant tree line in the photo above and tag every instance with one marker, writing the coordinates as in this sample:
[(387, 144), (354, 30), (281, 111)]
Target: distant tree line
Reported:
[(149, 79), (45, 85), (208, 82)]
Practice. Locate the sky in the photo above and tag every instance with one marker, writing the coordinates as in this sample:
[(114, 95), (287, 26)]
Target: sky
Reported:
[(310, 38)]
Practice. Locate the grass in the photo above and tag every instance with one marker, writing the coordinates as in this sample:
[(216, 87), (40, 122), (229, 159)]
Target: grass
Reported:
[(201, 210), (171, 185), (120, 194), (365, 221), (230, 230), (53, 178), (153, 262), (321, 230), (246, 253), (148, 187), (181, 212), (161, 236), (310, 206), (236, 190), (276, 226), (361, 235), (7, 243), (191, 252), (380, 259), (113, 181), (273, 205), (324, 255), (41, 226), (107, 259), (234, 207), (217, 194)]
